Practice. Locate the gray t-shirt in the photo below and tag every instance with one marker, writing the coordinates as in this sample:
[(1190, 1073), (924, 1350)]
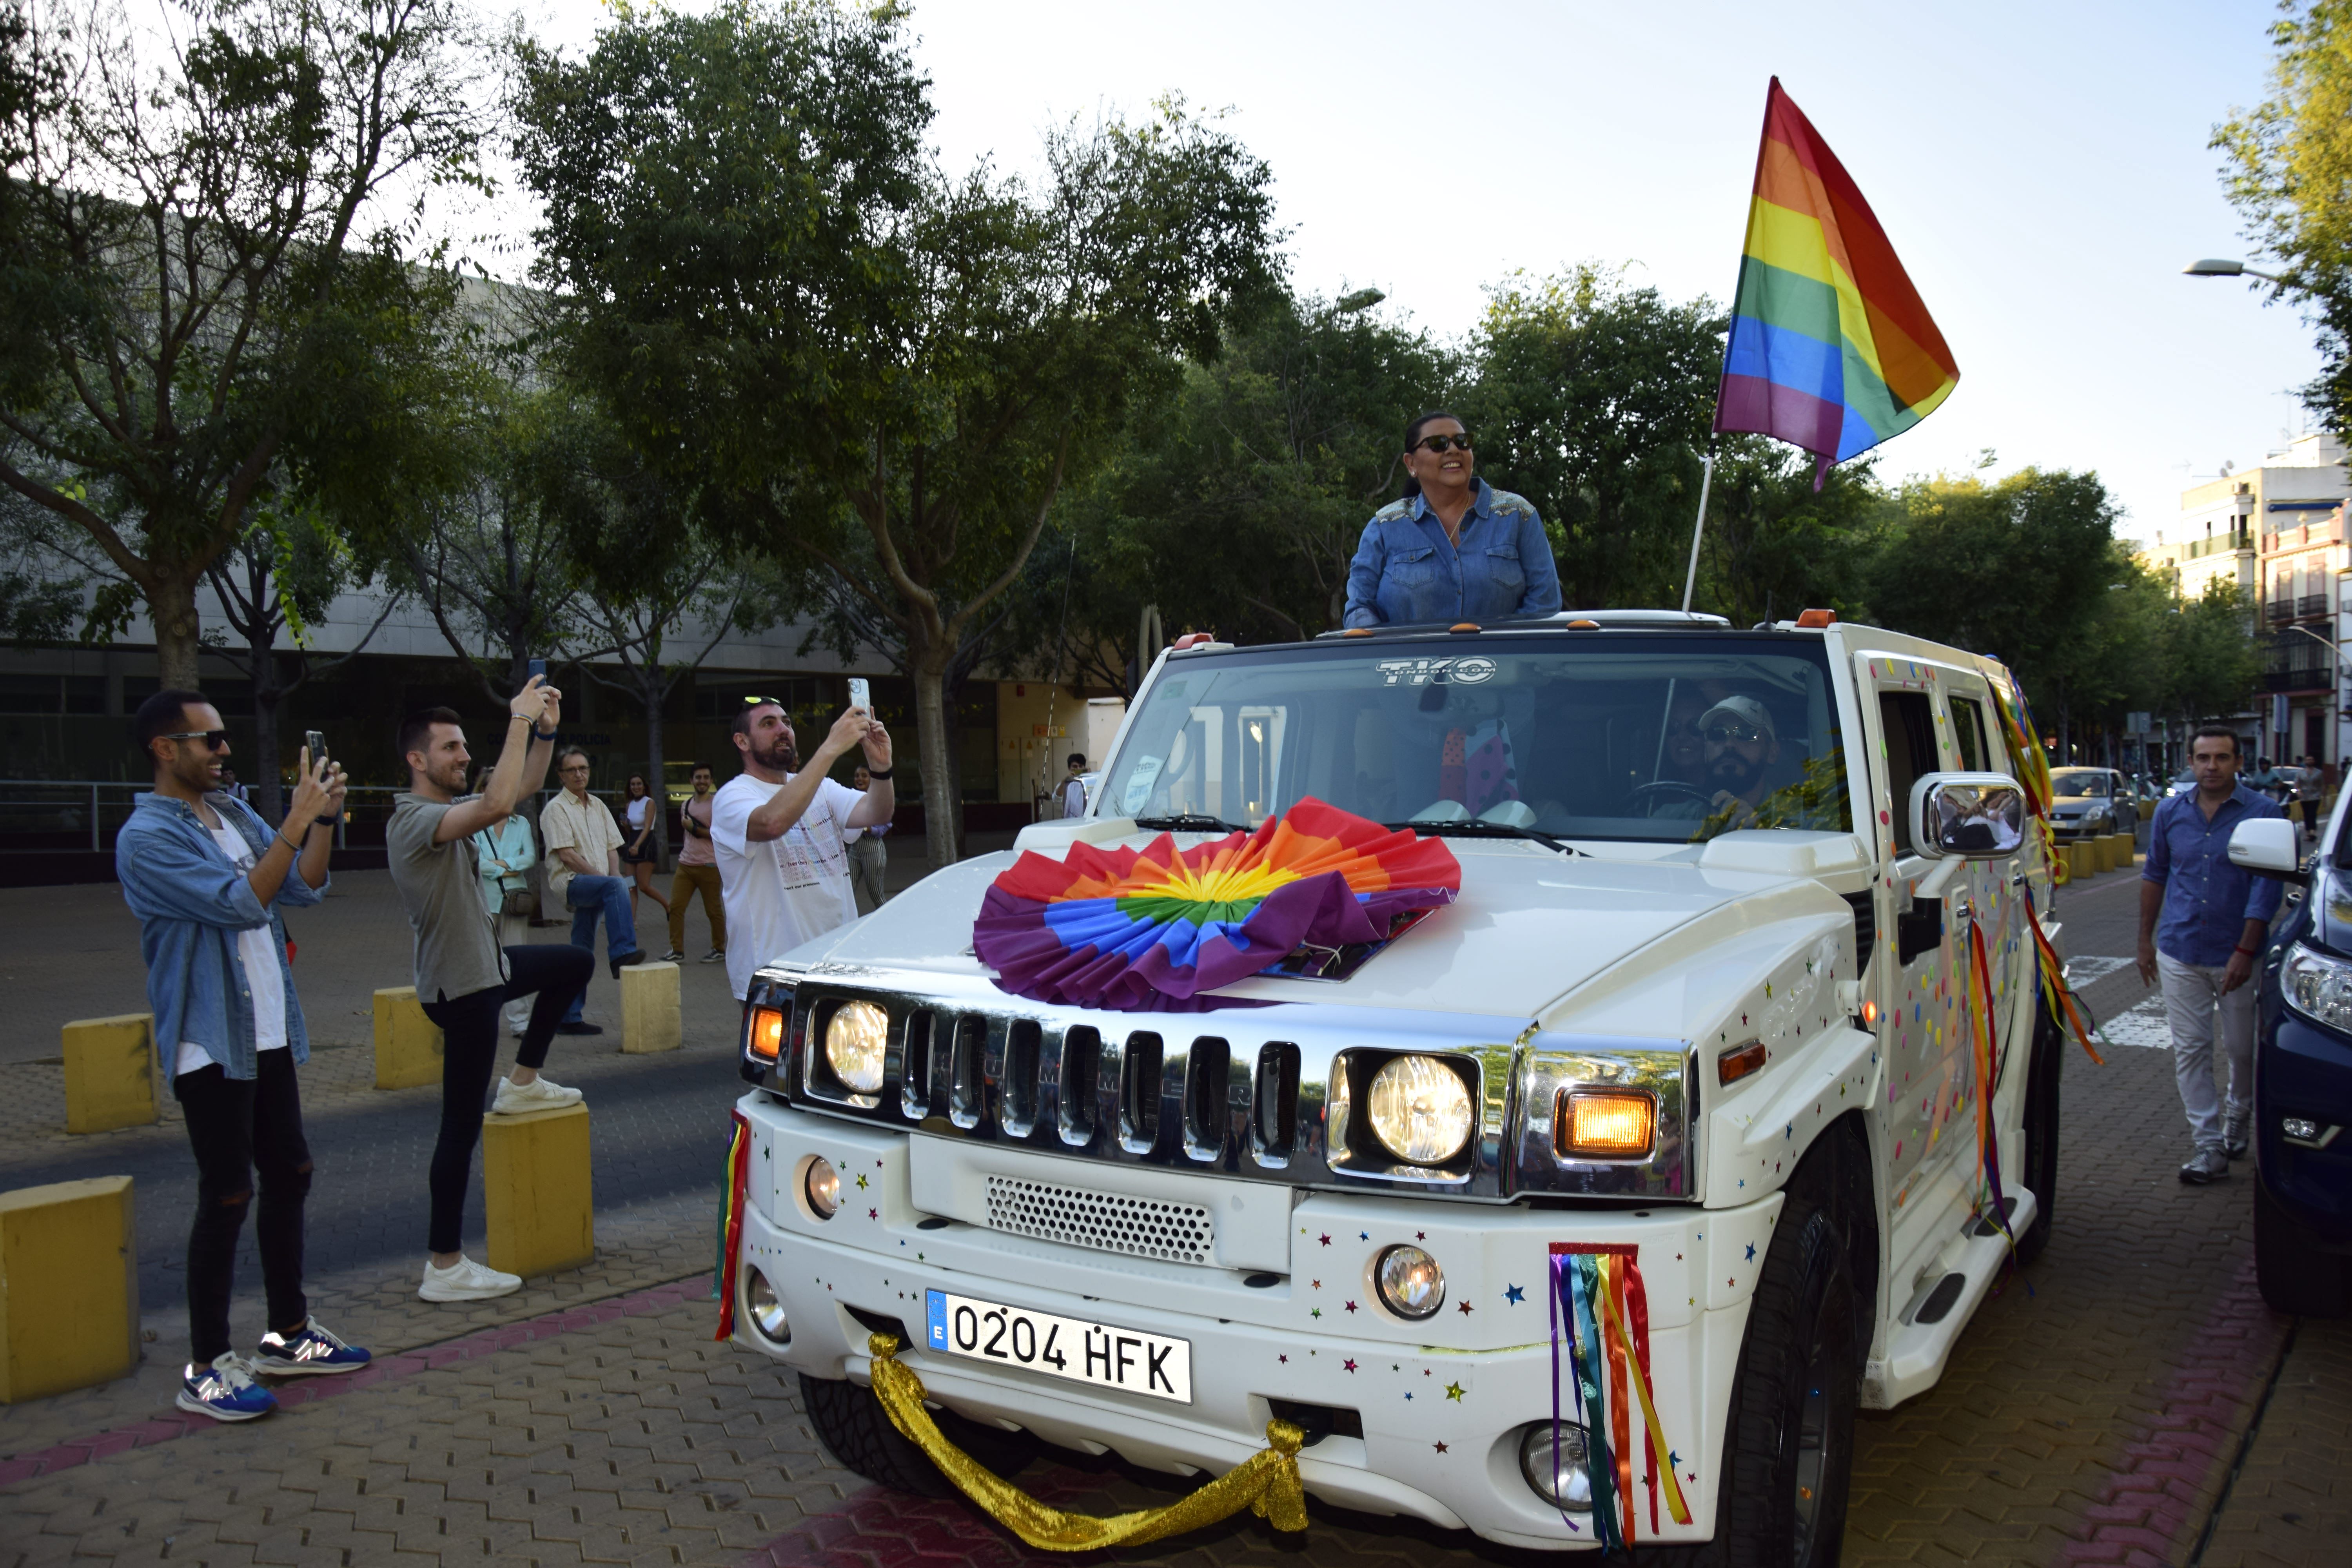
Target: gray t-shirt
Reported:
[(456, 938)]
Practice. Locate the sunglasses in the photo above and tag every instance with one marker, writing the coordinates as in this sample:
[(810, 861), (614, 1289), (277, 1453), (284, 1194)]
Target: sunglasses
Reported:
[(1442, 443), (212, 739), (767, 702), (1733, 732)]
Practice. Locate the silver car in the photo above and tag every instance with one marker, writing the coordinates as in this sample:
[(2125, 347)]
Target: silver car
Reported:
[(2090, 801)]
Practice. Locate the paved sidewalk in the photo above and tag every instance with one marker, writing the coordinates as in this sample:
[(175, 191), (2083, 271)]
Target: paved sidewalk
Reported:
[(2109, 1414)]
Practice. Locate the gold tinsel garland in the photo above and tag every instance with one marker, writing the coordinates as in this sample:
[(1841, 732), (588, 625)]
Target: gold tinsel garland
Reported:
[(1266, 1483)]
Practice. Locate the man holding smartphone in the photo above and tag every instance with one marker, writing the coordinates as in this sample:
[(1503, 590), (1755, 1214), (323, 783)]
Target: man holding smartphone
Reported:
[(781, 833), (463, 976), (208, 880)]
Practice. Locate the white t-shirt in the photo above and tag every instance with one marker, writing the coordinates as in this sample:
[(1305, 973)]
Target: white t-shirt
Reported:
[(258, 951), (789, 890), (1074, 796)]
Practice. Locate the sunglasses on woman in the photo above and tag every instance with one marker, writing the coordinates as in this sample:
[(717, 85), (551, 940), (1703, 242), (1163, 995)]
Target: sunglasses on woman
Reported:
[(1442, 443)]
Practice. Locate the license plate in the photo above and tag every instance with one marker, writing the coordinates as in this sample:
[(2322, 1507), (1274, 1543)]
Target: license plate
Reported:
[(1067, 1348)]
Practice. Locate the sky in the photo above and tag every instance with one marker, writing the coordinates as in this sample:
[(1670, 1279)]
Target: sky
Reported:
[(2040, 169)]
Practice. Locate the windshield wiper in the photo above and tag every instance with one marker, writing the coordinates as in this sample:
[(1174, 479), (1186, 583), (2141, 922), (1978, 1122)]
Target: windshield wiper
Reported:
[(1190, 822), (1477, 827)]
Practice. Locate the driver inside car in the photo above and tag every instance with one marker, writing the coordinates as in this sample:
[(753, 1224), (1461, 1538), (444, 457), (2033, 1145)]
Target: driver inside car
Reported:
[(1738, 746)]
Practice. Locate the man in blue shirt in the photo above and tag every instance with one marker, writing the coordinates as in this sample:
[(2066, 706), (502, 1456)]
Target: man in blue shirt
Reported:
[(2201, 927), (207, 878)]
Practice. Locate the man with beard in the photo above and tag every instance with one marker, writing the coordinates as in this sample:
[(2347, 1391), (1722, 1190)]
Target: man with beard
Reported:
[(783, 863), (463, 976), (1741, 747)]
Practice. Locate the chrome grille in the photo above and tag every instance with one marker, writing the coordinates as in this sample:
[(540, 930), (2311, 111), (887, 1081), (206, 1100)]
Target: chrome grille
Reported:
[(1108, 1221)]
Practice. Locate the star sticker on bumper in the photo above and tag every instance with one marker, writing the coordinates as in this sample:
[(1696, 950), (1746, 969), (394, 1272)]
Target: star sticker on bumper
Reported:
[(1454, 1391), (1514, 1294)]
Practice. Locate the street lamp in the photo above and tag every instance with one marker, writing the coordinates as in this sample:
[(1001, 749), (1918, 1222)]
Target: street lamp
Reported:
[(2210, 267)]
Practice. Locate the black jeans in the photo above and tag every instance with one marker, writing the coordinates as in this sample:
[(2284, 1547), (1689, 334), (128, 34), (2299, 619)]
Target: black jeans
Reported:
[(236, 1127), (469, 1054)]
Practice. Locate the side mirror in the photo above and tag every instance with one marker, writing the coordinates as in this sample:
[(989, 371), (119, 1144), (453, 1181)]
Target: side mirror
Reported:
[(1966, 817), (2266, 847)]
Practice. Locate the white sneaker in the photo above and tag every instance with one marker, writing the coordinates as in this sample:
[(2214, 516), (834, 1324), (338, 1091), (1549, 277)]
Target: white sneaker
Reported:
[(541, 1093), (714, 957), (466, 1280)]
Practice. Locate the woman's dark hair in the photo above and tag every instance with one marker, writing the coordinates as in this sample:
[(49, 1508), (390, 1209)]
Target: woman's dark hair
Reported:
[(634, 779), (1412, 435)]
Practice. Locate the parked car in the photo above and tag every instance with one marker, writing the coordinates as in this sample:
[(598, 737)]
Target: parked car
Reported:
[(2090, 802), (1108, 1225), (2303, 1071)]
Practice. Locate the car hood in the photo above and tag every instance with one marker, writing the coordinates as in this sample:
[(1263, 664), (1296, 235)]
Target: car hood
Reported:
[(1529, 927)]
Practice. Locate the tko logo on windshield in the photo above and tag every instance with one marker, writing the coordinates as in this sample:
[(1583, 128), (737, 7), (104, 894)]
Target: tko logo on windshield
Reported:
[(1467, 671)]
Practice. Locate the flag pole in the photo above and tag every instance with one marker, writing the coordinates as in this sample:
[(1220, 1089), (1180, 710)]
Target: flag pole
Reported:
[(1699, 527)]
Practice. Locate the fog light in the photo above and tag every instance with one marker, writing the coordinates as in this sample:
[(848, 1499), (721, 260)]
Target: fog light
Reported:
[(853, 1045), (1558, 1475), (1410, 1283), (823, 1185), (2300, 1127), (767, 1314), (1604, 1124)]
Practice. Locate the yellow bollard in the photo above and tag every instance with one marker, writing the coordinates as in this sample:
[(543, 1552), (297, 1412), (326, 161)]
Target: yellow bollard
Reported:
[(407, 1043), (2086, 864), (110, 1072), (2127, 851), (2102, 852), (649, 1009), (68, 1287), (536, 1191)]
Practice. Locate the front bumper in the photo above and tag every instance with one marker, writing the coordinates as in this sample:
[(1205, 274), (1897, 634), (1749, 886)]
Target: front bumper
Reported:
[(2302, 1069), (1441, 1402)]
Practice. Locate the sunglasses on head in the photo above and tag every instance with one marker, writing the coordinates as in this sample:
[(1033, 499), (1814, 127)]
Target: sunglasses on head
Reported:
[(212, 739), (1442, 443), (767, 702), (1733, 732)]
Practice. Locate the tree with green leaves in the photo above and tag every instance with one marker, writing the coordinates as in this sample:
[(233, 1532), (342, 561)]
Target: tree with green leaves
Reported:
[(1593, 399), (203, 246), (1774, 545), (776, 290), (2288, 171)]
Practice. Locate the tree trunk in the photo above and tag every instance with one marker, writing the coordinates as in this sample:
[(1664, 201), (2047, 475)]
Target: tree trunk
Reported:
[(172, 605), (269, 788), (656, 790), (935, 740)]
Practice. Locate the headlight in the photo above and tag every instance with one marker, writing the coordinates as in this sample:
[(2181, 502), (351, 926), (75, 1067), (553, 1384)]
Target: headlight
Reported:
[(853, 1045), (1557, 1472), (1410, 1282), (767, 1314), (822, 1186), (2318, 987), (1419, 1109)]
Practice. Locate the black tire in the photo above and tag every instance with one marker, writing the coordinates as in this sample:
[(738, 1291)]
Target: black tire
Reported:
[(1784, 1480), (2038, 1161), (2295, 1274), (851, 1424)]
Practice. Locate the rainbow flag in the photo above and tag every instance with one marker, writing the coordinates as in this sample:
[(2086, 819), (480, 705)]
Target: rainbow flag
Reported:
[(1151, 930), (1830, 348)]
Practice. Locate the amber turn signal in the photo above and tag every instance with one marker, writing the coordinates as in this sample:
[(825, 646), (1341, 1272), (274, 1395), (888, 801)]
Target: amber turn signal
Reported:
[(1813, 620), (767, 1033), (1733, 1066), (1604, 1124)]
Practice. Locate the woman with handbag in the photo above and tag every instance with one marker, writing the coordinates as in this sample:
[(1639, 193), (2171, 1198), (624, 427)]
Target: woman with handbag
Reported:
[(504, 855)]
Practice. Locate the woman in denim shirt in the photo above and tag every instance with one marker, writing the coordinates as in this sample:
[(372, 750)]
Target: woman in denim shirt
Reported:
[(1452, 548)]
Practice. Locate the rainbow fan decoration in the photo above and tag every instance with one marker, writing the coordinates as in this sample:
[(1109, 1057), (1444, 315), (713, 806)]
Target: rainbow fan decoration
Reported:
[(1151, 930)]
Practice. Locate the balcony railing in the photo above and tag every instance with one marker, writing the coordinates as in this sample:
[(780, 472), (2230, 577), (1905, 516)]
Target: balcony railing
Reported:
[(2278, 610), (2216, 544), (2311, 605)]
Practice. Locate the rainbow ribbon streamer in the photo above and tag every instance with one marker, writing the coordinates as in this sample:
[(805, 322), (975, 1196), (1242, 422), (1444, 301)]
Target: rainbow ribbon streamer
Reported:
[(1597, 1291), (731, 1223), (1988, 1069), (2053, 982), (1153, 930)]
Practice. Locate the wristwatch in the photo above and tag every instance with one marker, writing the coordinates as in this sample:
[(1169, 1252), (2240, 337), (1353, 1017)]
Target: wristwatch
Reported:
[(877, 774)]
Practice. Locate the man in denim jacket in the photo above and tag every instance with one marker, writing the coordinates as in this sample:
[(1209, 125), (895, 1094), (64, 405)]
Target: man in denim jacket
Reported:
[(207, 878)]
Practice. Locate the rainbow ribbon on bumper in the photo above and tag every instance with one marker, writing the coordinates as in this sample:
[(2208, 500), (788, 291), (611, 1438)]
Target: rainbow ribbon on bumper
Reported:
[(731, 1223), (1596, 1290)]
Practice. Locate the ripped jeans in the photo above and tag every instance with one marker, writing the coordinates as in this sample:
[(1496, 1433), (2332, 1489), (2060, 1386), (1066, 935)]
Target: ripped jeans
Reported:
[(239, 1128)]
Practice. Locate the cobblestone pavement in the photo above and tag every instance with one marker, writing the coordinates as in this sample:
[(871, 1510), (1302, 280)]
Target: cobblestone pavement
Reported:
[(2110, 1415)]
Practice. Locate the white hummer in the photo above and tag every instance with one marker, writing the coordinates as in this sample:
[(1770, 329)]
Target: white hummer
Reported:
[(1706, 986)]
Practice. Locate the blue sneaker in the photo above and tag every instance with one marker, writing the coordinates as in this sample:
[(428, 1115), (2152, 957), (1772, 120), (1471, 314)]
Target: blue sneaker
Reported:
[(311, 1349), (225, 1390)]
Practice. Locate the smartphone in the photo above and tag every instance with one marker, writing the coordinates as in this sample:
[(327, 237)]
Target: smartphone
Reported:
[(317, 740), (860, 694), (539, 668)]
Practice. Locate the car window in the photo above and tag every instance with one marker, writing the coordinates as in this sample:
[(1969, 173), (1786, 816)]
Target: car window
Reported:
[(1909, 725), (2080, 782)]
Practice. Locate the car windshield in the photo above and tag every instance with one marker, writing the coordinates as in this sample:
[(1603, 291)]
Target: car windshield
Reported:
[(1660, 737), (2079, 781)]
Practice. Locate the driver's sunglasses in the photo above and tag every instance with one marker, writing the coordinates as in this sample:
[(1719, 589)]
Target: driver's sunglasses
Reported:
[(212, 739), (1442, 443), (1732, 732)]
